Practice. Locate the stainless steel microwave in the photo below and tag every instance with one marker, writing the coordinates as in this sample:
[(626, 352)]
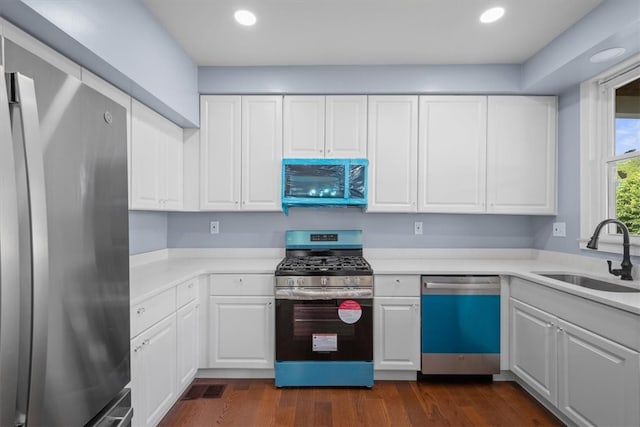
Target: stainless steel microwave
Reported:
[(324, 183)]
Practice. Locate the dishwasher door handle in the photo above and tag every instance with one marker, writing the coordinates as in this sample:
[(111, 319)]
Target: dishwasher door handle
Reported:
[(461, 288)]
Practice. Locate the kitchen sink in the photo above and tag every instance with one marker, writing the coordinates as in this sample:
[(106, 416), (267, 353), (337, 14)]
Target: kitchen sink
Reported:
[(588, 282)]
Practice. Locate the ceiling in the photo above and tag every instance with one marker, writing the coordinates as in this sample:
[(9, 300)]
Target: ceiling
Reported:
[(349, 32)]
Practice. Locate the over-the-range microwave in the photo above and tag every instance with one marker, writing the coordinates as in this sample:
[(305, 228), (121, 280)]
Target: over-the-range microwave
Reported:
[(324, 183)]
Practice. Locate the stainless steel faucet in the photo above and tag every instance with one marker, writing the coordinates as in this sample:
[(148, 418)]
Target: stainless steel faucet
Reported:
[(625, 268)]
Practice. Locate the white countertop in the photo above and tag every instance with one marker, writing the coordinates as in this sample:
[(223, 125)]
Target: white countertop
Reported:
[(156, 274)]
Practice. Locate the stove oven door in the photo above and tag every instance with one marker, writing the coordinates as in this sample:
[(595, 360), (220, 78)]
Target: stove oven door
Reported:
[(324, 330)]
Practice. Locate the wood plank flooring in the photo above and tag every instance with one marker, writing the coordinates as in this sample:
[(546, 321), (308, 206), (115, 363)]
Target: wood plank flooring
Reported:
[(258, 402)]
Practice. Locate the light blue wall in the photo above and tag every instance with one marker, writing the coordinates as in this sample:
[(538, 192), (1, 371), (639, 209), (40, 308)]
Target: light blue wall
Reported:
[(147, 231), (568, 184), (120, 41), (568, 179), (266, 230), (565, 61), (357, 79)]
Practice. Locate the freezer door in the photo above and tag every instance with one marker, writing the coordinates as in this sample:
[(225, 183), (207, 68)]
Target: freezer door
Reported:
[(83, 138), (9, 266)]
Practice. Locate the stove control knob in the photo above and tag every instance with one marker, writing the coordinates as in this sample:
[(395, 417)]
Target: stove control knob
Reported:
[(290, 282), (356, 280), (300, 281), (323, 281), (347, 280)]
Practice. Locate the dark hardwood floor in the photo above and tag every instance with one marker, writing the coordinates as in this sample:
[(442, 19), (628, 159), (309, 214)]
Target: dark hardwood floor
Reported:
[(388, 403)]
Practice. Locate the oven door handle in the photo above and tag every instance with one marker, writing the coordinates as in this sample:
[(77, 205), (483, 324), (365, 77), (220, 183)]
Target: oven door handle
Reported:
[(310, 294)]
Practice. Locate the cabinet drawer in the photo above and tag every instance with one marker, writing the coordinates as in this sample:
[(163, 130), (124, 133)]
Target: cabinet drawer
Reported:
[(152, 310), (401, 285), (187, 291), (241, 284)]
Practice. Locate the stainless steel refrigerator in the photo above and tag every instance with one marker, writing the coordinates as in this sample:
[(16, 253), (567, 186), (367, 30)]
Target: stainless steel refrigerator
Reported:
[(64, 250)]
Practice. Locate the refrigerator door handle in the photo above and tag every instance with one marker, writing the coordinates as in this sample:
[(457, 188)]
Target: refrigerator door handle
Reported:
[(22, 97), (9, 267)]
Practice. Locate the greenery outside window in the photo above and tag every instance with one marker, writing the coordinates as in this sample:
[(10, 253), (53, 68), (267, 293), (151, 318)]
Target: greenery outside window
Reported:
[(624, 163), (610, 154)]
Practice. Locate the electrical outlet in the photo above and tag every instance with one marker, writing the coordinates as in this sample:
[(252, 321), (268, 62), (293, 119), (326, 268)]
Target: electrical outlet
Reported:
[(214, 227), (560, 229), (417, 227)]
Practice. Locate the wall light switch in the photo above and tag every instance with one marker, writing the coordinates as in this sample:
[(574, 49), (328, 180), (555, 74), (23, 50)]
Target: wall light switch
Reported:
[(214, 227), (560, 229), (417, 227)]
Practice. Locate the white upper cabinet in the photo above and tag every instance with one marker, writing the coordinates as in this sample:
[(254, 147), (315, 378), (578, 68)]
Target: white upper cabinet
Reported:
[(220, 118), (261, 152), (521, 155), (240, 153), (304, 126), (156, 161), (452, 154), (392, 152), (325, 126), (346, 126)]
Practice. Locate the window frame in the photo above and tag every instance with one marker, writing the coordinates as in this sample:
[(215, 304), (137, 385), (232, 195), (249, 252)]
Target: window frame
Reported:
[(597, 115)]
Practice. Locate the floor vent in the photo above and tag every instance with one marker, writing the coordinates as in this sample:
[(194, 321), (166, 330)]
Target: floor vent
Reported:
[(204, 391)]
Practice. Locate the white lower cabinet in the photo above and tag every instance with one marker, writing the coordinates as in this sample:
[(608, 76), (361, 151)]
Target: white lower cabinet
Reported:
[(164, 350), (598, 380), (591, 379), (241, 322), (396, 339), (396, 323), (153, 372), (533, 348), (188, 343)]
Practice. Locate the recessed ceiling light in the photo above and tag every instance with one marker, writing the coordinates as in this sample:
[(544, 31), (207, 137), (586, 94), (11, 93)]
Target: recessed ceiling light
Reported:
[(245, 17), (607, 54), (491, 15)]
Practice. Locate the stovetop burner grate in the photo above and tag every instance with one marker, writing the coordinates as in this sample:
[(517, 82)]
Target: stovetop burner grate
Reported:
[(307, 265)]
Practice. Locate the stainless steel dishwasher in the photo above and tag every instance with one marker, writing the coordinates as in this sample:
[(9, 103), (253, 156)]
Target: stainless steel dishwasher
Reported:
[(460, 325)]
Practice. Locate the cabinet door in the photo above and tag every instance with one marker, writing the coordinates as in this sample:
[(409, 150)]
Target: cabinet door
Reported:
[(392, 152), (261, 152), (533, 348), (173, 176), (188, 344), (521, 154), (241, 332), (598, 380), (396, 333), (146, 152), (153, 372), (452, 150), (346, 126), (304, 126), (220, 126)]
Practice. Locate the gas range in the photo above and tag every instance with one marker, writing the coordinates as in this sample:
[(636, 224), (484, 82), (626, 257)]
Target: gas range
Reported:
[(324, 264), (324, 311)]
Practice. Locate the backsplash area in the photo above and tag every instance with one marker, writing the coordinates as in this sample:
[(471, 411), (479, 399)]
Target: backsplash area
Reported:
[(147, 231), (156, 230)]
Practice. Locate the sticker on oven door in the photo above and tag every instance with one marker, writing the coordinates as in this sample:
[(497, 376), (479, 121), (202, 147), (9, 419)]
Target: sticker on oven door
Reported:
[(325, 342), (349, 311)]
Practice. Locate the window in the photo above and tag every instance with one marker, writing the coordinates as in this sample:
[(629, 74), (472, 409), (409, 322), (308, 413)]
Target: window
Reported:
[(610, 155), (624, 164)]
